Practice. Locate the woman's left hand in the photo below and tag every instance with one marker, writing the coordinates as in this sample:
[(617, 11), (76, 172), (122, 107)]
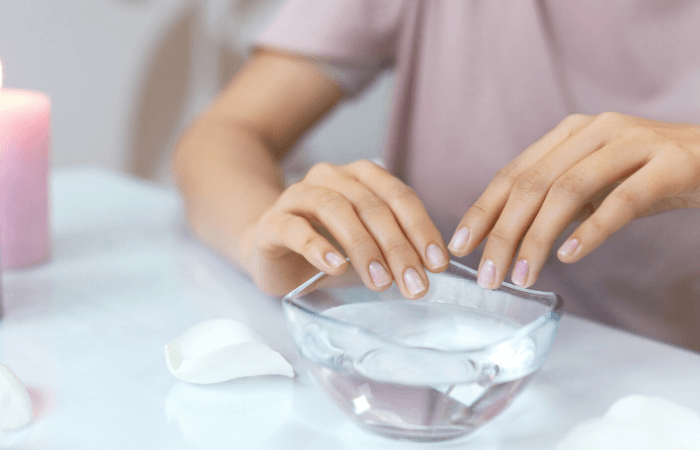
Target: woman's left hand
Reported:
[(604, 170)]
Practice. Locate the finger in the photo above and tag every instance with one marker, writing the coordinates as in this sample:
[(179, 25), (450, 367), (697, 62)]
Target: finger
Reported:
[(567, 196), (630, 199), (527, 197), (591, 206), (286, 231), (482, 216), (378, 219), (338, 216), (408, 210)]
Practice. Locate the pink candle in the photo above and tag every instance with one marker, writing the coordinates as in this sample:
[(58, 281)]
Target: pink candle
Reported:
[(24, 167)]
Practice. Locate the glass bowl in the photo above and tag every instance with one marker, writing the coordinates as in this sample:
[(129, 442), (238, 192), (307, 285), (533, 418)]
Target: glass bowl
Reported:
[(430, 369)]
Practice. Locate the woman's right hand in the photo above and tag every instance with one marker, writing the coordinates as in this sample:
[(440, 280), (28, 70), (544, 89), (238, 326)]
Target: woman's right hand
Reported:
[(378, 220)]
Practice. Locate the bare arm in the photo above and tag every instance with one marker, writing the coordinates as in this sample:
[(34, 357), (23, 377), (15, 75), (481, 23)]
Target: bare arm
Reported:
[(227, 166), (227, 162)]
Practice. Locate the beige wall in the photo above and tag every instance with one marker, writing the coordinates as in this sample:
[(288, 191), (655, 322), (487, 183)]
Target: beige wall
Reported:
[(125, 76)]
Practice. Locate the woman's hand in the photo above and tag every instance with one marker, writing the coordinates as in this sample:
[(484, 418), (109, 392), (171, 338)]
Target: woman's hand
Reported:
[(605, 170), (378, 220)]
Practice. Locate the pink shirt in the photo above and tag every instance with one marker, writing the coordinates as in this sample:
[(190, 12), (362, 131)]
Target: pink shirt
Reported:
[(477, 81)]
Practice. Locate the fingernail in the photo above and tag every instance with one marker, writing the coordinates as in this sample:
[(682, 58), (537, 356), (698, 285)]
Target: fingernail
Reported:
[(379, 276), (520, 273), (413, 281), (460, 239), (435, 256), (568, 248), (487, 274), (334, 260)]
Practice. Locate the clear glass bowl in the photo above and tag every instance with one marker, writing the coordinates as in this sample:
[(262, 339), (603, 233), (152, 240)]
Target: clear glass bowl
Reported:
[(427, 370)]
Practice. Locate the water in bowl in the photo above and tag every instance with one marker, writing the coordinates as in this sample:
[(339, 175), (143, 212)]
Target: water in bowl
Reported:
[(408, 386)]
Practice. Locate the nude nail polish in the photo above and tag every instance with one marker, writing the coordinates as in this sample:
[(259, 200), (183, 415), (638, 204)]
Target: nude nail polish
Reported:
[(435, 256), (414, 283), (568, 248), (379, 275), (460, 239), (520, 273), (334, 260), (487, 274)]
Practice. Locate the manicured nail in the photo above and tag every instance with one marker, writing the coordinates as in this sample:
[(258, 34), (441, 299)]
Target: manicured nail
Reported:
[(568, 248), (460, 239), (413, 281), (435, 256), (379, 276), (334, 260), (520, 273), (487, 274)]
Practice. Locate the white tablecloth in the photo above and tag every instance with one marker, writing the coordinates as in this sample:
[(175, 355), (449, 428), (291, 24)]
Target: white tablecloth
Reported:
[(86, 332)]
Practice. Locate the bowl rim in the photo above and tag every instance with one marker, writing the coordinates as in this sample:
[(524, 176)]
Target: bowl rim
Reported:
[(526, 329)]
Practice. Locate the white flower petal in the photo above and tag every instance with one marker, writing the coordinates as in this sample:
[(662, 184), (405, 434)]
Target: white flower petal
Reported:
[(607, 434), (219, 350), (637, 422), (15, 404), (679, 422)]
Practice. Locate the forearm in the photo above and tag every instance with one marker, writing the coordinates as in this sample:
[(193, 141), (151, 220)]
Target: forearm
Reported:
[(228, 177), (227, 162)]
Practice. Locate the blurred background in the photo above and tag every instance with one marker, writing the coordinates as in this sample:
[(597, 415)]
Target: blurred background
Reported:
[(126, 76)]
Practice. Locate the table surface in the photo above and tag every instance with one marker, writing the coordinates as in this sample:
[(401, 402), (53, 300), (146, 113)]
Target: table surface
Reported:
[(86, 333)]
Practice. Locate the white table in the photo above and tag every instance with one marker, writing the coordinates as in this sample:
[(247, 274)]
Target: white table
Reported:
[(86, 333)]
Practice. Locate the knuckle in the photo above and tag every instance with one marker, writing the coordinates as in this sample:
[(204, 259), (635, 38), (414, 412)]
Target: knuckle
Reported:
[(370, 203), (423, 226), (310, 243), (626, 197), (298, 226), (535, 239), (362, 242), (574, 119), (290, 222), (478, 211), (362, 165), (507, 173), (330, 201), (500, 238), (595, 225), (609, 118), (401, 192), (319, 170), (397, 246), (533, 182), (288, 225), (569, 185)]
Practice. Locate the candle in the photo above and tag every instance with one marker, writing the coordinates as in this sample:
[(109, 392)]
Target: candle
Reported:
[(24, 166)]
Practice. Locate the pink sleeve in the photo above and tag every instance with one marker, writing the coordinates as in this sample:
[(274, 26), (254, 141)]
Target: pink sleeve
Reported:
[(356, 38)]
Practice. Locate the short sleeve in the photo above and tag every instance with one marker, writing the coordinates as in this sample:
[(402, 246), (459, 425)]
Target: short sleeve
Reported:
[(353, 40)]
